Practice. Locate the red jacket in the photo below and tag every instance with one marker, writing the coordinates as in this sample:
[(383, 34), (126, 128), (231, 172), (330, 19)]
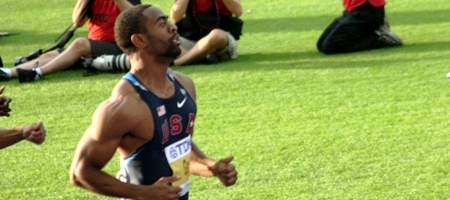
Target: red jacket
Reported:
[(205, 6), (350, 5), (101, 24)]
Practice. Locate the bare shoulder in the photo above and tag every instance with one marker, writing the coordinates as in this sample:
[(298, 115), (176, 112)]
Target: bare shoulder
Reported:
[(124, 118), (121, 112), (123, 97), (181, 77), (186, 81)]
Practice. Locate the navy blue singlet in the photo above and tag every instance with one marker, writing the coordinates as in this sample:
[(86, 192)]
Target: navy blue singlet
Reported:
[(168, 152)]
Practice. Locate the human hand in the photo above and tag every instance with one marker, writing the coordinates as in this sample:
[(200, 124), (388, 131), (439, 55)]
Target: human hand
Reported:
[(4, 103), (225, 171), (35, 133), (161, 189)]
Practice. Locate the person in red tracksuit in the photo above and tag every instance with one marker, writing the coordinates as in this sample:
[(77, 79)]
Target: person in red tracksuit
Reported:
[(363, 26)]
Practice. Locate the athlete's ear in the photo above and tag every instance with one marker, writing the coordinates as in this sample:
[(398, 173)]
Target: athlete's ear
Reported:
[(138, 40)]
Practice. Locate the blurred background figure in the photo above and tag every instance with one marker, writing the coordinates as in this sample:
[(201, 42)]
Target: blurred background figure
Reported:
[(363, 26)]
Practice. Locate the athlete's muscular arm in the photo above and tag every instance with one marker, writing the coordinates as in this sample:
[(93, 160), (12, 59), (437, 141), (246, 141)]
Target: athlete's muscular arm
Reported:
[(35, 133), (178, 10), (112, 120), (223, 169), (234, 6), (97, 147), (201, 164), (79, 16)]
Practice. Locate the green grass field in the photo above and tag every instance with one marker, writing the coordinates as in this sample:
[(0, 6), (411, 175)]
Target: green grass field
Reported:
[(301, 125)]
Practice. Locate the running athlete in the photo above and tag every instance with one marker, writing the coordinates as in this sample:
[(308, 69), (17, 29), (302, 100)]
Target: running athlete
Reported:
[(149, 119)]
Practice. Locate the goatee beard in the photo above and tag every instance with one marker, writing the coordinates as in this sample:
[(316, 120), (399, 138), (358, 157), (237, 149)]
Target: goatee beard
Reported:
[(173, 49)]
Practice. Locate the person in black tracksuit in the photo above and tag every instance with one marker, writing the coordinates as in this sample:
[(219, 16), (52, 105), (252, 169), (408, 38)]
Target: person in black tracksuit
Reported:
[(363, 26)]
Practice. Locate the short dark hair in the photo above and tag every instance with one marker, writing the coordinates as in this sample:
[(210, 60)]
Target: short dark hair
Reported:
[(130, 21)]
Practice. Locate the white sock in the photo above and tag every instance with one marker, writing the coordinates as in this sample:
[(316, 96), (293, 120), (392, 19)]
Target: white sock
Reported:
[(7, 71), (39, 73), (38, 70)]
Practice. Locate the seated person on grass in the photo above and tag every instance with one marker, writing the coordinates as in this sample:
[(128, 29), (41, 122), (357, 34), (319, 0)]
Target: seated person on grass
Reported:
[(100, 41), (213, 42), (200, 43)]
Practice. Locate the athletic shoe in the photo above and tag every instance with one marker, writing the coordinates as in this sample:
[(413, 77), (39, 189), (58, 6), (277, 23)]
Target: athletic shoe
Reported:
[(386, 22), (388, 37), (234, 51), (3, 76), (211, 59), (87, 63), (27, 75)]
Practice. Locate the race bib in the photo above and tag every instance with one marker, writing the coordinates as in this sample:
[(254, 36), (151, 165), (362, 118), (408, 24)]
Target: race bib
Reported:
[(178, 157)]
